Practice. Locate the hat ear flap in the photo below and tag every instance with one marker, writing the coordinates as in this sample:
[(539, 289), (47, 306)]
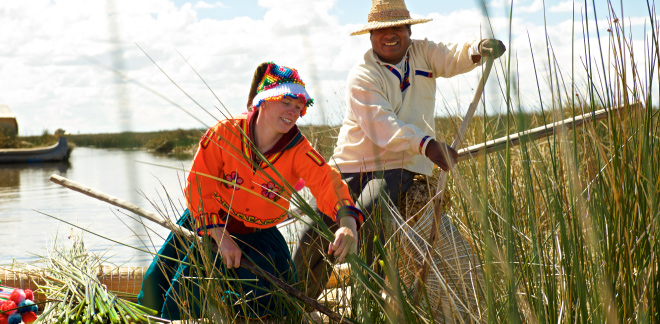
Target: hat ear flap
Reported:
[(256, 79)]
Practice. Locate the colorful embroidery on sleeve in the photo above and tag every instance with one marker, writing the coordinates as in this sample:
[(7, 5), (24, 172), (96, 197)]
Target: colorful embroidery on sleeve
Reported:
[(316, 157), (206, 139), (421, 144), (208, 221), (342, 203), (424, 73)]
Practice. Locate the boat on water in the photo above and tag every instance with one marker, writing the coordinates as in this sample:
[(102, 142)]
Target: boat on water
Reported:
[(57, 152), (9, 128)]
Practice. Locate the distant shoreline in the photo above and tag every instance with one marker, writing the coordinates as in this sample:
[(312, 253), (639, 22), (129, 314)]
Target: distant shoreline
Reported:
[(177, 142), (323, 138)]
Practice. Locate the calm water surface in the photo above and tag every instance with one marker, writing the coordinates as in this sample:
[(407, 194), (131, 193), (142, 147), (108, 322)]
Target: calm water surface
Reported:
[(26, 194)]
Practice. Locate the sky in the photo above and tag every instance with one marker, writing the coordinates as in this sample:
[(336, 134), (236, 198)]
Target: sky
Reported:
[(106, 66)]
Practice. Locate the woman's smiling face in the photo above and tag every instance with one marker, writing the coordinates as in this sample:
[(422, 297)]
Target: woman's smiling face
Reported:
[(391, 43), (282, 114)]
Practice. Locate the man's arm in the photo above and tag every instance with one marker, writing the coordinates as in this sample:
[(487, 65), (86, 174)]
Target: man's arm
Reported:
[(449, 59)]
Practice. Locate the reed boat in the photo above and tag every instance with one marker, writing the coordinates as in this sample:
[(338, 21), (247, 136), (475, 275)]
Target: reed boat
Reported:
[(123, 281), (57, 152)]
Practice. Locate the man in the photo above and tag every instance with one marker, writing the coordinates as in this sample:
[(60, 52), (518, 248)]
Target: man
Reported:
[(388, 132)]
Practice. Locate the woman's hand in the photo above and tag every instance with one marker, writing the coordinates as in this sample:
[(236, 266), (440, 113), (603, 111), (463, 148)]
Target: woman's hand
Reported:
[(227, 248), (345, 239)]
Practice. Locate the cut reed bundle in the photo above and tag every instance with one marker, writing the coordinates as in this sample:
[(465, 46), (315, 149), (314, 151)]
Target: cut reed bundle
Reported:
[(75, 294)]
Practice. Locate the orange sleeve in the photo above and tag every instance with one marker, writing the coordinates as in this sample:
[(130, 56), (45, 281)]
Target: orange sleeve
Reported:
[(200, 189), (325, 183)]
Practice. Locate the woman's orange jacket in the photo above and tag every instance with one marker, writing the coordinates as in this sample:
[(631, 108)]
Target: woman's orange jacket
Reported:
[(252, 191)]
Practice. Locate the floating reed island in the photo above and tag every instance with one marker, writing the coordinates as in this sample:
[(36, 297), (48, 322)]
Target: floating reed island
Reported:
[(553, 218)]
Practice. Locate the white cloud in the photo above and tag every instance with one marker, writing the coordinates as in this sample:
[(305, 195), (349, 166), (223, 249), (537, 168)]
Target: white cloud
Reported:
[(206, 5), (496, 4), (534, 7), (53, 58), (565, 6), (52, 49)]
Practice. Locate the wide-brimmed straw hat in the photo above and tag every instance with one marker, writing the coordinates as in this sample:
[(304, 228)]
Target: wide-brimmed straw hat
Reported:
[(388, 13)]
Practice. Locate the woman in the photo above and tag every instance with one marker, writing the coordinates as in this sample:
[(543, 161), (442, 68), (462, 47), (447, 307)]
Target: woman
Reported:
[(239, 187)]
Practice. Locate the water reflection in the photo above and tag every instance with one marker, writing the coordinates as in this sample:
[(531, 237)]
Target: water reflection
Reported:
[(10, 178), (10, 174), (26, 194)]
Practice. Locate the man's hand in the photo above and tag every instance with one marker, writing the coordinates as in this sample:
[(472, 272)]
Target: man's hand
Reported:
[(345, 239), (227, 248), (441, 154), (491, 47)]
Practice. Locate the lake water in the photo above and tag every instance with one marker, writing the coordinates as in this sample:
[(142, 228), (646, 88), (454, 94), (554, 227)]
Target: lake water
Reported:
[(26, 194)]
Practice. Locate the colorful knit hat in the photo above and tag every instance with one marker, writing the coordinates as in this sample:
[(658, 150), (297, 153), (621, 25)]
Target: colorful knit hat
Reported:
[(273, 82), (388, 13)]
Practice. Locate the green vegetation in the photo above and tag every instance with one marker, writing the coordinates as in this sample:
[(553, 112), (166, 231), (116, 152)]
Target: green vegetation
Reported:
[(76, 294), (176, 141), (564, 229), (45, 139)]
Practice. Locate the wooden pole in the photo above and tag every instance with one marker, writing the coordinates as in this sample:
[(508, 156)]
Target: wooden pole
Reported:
[(529, 135), (537, 133), (442, 179), (193, 236)]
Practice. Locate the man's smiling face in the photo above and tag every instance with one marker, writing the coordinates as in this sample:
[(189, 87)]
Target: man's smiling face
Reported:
[(391, 43)]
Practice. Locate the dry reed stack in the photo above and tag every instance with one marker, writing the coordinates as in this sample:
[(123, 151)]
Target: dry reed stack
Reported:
[(125, 281)]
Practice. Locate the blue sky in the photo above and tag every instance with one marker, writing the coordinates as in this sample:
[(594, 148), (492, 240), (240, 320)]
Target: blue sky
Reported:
[(353, 11), (57, 56)]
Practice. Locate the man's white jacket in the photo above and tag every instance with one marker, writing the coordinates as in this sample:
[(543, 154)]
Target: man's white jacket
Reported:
[(387, 128)]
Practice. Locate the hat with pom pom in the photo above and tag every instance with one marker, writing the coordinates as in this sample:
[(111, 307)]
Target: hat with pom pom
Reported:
[(29, 317), (8, 307), (17, 296), (15, 318), (27, 306), (17, 306), (273, 82)]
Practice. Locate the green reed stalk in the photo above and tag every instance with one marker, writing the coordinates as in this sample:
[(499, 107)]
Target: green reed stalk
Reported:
[(564, 229)]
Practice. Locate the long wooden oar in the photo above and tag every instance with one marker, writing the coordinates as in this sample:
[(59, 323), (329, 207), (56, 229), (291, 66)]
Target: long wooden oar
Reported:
[(540, 132), (442, 179), (533, 134), (192, 236)]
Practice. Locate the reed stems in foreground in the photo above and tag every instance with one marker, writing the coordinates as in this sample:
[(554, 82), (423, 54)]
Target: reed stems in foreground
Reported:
[(563, 229)]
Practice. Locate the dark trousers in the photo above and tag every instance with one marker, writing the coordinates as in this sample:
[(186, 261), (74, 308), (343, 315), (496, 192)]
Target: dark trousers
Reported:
[(249, 295), (165, 287), (158, 278), (369, 191)]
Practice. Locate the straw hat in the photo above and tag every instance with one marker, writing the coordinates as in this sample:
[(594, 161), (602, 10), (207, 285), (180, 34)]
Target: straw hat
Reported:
[(388, 13)]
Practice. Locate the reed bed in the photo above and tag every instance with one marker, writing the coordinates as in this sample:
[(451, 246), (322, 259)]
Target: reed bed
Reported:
[(563, 229)]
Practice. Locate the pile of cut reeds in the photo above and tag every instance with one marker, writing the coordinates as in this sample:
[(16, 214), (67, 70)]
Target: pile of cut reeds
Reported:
[(68, 279)]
